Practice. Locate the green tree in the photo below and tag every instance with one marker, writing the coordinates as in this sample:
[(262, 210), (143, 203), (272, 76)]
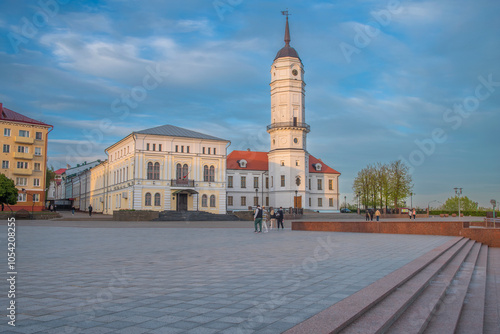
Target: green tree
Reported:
[(50, 176), (8, 191), (400, 182), (466, 204)]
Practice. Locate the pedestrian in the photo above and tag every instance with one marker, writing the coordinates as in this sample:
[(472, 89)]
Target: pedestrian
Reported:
[(55, 208), (367, 215), (414, 214), (73, 210), (265, 218), (409, 213), (273, 219), (51, 208), (279, 218), (90, 210), (377, 214), (371, 214), (2, 207), (258, 219)]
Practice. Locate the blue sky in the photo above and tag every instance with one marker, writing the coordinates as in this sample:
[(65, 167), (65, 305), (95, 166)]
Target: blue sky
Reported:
[(386, 80)]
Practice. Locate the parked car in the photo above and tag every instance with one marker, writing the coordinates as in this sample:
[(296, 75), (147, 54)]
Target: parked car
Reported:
[(345, 210)]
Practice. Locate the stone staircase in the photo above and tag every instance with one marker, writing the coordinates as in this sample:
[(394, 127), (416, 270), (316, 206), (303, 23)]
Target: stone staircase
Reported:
[(194, 216), (451, 289)]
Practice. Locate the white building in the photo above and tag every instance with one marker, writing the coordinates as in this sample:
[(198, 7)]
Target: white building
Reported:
[(287, 175)]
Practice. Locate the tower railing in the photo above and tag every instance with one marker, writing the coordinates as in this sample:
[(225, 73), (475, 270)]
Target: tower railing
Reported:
[(298, 125)]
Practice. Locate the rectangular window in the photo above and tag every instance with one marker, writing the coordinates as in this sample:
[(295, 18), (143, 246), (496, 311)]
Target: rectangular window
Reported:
[(229, 200), (203, 150), (320, 184), (21, 181), (229, 181), (267, 201), (209, 150), (243, 181), (215, 150), (22, 165), (282, 163), (36, 197), (297, 163), (36, 166), (310, 202), (309, 184), (282, 180), (267, 182), (154, 147), (256, 182), (24, 133), (38, 151), (147, 147), (5, 164), (36, 182), (176, 148), (187, 149), (182, 149), (38, 136), (23, 149), (272, 181), (243, 201), (21, 197), (320, 202), (330, 202), (159, 147), (256, 201), (6, 132), (330, 184)]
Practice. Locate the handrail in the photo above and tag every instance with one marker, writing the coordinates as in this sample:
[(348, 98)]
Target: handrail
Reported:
[(289, 125)]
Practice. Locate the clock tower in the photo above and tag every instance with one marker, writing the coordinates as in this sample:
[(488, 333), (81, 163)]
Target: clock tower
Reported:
[(288, 157)]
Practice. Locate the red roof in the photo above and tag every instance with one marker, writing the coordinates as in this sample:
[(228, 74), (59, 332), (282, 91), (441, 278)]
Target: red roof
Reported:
[(9, 115), (324, 167), (258, 161), (60, 171), (255, 160)]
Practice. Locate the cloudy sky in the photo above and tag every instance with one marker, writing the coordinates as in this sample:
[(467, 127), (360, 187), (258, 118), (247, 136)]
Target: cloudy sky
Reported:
[(386, 80)]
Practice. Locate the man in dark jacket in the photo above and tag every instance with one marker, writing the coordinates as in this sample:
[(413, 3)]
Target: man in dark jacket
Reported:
[(279, 217), (258, 219)]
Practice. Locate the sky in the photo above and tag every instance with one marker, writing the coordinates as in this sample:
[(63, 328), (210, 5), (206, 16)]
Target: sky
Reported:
[(385, 80)]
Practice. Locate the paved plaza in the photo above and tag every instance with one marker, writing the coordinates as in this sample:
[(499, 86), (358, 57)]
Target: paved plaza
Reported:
[(119, 279)]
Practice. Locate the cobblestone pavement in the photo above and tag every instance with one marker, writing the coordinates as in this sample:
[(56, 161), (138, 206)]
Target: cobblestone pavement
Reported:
[(196, 280)]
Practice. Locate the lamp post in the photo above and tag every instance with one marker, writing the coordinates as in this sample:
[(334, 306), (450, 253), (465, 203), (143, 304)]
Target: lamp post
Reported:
[(357, 195), (257, 196), (295, 200), (458, 192), (411, 200), (345, 202), (32, 201)]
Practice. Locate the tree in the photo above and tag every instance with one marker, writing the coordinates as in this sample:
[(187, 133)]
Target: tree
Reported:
[(400, 181), (466, 204), (50, 176), (8, 191)]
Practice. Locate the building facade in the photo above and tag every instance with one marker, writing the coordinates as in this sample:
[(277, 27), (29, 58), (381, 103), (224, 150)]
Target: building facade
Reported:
[(287, 175), (24, 157)]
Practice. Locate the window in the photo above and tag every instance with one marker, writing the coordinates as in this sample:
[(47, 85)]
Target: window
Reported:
[(282, 162), (154, 147), (243, 201), (282, 180), (6, 148), (267, 201), (204, 200), (23, 149), (159, 147), (320, 202), (212, 201), (330, 202), (255, 181), (256, 200), (38, 135), (36, 197), (36, 182), (229, 200), (229, 181), (6, 132), (267, 182), (185, 171), (24, 133), (38, 151), (22, 165), (178, 172), (203, 150), (318, 167), (187, 149), (150, 175), (212, 174), (297, 163), (272, 181), (320, 184), (21, 181), (176, 148), (310, 201), (209, 150), (242, 163), (157, 199), (156, 171), (21, 197), (330, 185), (147, 199), (243, 181), (309, 184), (214, 150), (5, 164), (205, 173), (182, 149)]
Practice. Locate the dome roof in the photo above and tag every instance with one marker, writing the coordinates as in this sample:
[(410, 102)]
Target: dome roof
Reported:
[(287, 51)]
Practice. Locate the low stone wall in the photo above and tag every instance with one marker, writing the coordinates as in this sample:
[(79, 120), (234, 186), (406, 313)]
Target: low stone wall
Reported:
[(246, 215), (135, 216), (36, 216), (487, 236)]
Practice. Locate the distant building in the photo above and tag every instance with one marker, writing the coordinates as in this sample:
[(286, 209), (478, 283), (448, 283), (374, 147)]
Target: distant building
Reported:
[(287, 175), (24, 157)]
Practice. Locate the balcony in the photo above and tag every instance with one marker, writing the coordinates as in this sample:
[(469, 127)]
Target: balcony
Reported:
[(24, 140), (289, 125), (182, 183), (27, 156), (22, 171)]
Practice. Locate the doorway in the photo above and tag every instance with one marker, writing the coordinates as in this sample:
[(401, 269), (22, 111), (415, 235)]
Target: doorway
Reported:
[(182, 202)]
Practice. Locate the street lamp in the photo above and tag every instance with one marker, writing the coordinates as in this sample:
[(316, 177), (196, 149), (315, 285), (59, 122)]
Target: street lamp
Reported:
[(295, 200), (458, 192), (345, 202), (257, 196), (32, 201), (411, 199), (357, 195)]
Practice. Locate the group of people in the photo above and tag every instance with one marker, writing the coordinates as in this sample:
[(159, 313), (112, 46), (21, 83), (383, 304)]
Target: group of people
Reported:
[(369, 214), (263, 216)]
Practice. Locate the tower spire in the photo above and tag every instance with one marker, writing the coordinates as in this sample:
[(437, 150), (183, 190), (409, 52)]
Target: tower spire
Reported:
[(287, 29)]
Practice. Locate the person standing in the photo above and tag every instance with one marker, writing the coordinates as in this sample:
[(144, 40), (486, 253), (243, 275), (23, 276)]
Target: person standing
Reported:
[(258, 219), (367, 215), (371, 214), (73, 210), (279, 218), (377, 214), (90, 210), (409, 213), (414, 214), (273, 219), (265, 218)]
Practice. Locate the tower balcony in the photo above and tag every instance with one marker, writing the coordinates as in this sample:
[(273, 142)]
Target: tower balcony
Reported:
[(289, 125)]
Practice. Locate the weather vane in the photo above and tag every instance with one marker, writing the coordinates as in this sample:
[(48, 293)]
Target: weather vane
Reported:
[(285, 12)]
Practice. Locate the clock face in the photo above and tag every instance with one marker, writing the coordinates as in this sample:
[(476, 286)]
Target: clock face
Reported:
[(295, 72)]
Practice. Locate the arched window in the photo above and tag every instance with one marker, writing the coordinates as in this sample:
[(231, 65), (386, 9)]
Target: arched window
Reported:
[(178, 173), (150, 171), (212, 173), (147, 199), (205, 173), (204, 201), (212, 201), (156, 171), (157, 199), (185, 171)]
